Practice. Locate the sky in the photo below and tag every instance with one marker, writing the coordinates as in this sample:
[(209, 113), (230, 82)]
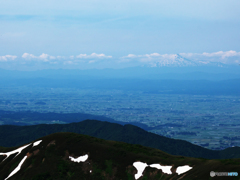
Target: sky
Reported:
[(117, 33)]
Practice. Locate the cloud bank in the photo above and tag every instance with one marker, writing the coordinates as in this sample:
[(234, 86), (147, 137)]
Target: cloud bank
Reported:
[(93, 55), (81, 58), (156, 59), (7, 58), (43, 57), (227, 57), (95, 60)]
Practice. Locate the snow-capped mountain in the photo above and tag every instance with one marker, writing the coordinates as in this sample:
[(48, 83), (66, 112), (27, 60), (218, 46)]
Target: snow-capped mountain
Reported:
[(176, 60)]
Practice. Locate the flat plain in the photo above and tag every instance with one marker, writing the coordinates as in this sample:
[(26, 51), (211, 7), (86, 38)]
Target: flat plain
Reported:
[(206, 120)]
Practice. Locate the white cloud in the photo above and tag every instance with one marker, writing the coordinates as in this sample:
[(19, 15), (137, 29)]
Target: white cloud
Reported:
[(7, 58), (92, 58), (93, 55), (131, 56), (101, 60), (154, 59), (43, 57), (28, 56), (222, 54), (227, 57), (152, 56), (11, 57), (82, 56), (62, 60)]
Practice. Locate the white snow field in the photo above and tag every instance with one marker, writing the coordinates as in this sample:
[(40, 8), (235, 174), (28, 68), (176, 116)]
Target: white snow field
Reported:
[(19, 150), (183, 169), (17, 168), (37, 143), (140, 166), (165, 169), (79, 159)]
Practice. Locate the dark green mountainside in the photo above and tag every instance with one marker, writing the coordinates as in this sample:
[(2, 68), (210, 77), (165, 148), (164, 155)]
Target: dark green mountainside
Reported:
[(18, 135), (106, 160), (24, 118)]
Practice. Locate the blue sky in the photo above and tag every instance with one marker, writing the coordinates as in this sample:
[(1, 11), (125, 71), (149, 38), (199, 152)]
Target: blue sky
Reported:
[(34, 32)]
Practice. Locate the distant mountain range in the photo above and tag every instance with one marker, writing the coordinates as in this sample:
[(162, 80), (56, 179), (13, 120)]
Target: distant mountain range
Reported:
[(207, 80), (18, 135), (179, 61), (63, 156), (24, 118), (213, 71)]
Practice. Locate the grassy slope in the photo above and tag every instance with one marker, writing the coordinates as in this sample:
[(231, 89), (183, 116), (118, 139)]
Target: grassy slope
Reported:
[(107, 160), (17, 135)]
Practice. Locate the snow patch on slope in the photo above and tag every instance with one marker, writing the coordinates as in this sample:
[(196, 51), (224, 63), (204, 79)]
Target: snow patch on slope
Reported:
[(165, 169), (19, 150), (183, 169), (140, 168), (79, 159), (17, 168), (37, 143)]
